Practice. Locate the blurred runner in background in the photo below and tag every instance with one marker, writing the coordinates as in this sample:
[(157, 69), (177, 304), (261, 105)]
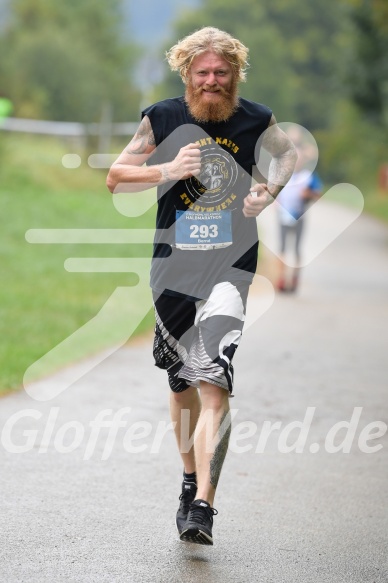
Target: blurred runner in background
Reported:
[(303, 188)]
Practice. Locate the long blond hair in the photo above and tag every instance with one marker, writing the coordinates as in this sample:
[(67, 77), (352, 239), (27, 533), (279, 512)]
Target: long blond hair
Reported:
[(181, 55)]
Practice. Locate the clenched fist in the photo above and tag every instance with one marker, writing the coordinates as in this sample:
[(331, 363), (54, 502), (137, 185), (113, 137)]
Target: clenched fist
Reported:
[(187, 163), (257, 200)]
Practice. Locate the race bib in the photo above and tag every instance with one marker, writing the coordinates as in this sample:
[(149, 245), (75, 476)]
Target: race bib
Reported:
[(203, 230)]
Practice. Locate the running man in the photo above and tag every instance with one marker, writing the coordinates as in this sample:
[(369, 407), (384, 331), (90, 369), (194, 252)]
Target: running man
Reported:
[(205, 248)]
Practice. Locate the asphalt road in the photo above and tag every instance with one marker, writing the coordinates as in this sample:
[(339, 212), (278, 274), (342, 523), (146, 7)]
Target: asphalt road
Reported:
[(81, 504)]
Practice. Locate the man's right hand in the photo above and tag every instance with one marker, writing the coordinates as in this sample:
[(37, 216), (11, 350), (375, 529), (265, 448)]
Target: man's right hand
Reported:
[(186, 164)]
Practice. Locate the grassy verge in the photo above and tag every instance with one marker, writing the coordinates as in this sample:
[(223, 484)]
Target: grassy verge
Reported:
[(42, 303), (375, 202)]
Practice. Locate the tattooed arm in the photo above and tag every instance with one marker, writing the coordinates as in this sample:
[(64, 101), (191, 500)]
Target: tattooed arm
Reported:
[(284, 157), (128, 173)]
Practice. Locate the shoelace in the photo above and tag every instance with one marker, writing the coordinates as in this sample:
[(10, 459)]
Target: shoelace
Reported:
[(200, 514), (186, 498)]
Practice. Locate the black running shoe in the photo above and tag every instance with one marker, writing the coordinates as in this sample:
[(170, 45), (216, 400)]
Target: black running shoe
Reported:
[(198, 527), (188, 494)]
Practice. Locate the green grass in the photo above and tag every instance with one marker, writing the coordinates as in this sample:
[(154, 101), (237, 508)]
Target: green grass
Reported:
[(41, 303), (375, 202)]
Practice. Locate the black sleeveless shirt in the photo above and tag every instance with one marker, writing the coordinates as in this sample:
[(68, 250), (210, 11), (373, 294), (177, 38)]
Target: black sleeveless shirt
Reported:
[(185, 260)]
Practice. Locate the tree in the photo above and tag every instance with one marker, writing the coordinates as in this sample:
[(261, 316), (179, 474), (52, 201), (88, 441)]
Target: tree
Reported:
[(65, 60), (368, 66)]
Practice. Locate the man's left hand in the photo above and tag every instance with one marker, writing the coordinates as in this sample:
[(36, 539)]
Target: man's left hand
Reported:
[(257, 200)]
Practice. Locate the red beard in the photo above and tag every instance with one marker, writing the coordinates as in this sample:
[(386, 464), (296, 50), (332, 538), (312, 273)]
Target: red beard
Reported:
[(218, 110)]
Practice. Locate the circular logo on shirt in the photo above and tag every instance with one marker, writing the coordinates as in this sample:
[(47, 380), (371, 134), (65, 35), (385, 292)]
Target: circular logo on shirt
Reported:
[(216, 180)]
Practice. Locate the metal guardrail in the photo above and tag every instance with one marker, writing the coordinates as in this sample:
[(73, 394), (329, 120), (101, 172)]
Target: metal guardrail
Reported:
[(64, 128)]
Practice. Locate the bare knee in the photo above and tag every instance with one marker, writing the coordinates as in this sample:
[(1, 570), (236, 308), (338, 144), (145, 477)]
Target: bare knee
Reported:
[(184, 397), (213, 397)]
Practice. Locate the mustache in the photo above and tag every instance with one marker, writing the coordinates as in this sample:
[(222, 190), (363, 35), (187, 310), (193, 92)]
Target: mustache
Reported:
[(218, 89)]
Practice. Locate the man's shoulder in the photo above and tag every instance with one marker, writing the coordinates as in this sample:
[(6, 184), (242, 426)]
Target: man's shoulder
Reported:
[(254, 108), (164, 105)]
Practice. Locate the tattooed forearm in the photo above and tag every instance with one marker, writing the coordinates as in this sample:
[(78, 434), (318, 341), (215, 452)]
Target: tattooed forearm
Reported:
[(280, 171), (221, 449), (164, 171), (143, 138), (284, 157)]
